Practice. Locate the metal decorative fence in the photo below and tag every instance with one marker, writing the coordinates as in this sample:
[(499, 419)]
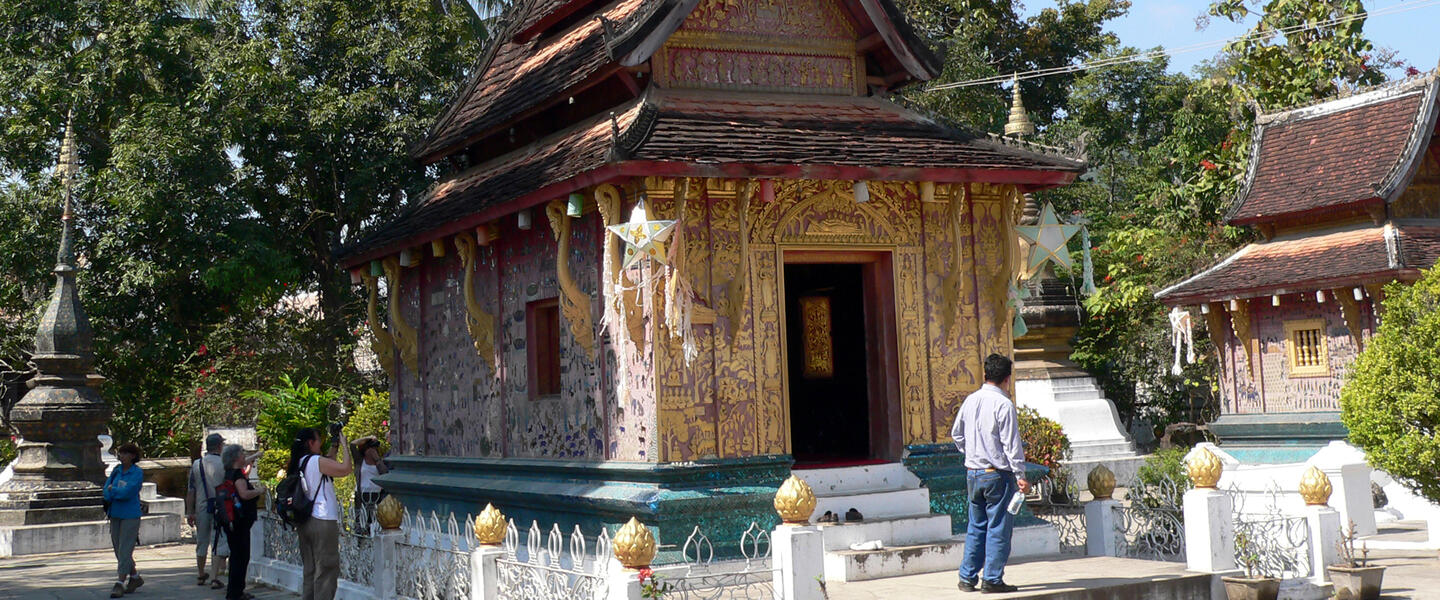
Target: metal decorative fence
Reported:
[(753, 576), (549, 572), (357, 545), (1068, 520), (281, 542), (1152, 524), (1278, 544), (432, 562)]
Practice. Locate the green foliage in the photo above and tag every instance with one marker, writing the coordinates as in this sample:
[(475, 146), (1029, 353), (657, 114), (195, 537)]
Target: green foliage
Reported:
[(371, 417), (1391, 399), (1161, 481), (291, 406), (271, 463), (983, 38), (7, 451), (1045, 441)]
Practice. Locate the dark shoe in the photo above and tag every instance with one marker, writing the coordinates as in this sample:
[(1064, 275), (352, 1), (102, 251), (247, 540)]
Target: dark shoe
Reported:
[(216, 584), (853, 516), (1000, 587), (117, 590), (133, 583), (966, 586), (203, 578), (828, 518)]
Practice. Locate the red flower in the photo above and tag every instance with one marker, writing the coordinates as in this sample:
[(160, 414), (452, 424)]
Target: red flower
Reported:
[(1209, 166), (1411, 71), (1225, 145), (199, 391), (1109, 279), (202, 350), (646, 573)]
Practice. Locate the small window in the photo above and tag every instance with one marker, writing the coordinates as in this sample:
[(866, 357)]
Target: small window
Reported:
[(1307, 348), (542, 321)]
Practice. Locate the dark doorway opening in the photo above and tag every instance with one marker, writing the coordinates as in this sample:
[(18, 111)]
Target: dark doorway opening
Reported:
[(826, 341)]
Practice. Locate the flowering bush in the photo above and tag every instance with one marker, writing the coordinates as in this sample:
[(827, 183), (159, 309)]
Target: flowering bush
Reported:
[(1045, 441)]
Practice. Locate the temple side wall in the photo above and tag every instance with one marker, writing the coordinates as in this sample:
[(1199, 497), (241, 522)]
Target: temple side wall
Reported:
[(1266, 386), (461, 405)]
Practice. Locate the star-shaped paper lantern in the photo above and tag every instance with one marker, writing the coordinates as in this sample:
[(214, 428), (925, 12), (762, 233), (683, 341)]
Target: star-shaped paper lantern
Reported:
[(1050, 239), (643, 237)]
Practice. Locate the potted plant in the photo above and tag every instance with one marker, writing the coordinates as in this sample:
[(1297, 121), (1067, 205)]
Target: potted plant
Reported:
[(1255, 585), (1355, 579)]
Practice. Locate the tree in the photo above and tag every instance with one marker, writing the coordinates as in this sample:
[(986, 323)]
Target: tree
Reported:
[(984, 38), (1391, 398)]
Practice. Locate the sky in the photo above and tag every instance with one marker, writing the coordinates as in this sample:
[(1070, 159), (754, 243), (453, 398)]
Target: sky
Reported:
[(1171, 23)]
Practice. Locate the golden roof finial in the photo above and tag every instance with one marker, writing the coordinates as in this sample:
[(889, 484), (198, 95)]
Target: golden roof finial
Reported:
[(1019, 124)]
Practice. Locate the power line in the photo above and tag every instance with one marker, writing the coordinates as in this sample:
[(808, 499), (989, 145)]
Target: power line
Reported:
[(1402, 7)]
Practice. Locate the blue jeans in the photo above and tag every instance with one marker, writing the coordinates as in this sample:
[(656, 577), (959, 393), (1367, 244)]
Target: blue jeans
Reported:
[(987, 542)]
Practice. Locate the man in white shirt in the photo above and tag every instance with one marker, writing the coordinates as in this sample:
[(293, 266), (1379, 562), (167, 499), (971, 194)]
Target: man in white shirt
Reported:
[(987, 430), (207, 472)]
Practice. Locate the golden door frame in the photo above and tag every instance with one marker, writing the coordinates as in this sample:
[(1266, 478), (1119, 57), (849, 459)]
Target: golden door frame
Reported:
[(883, 367)]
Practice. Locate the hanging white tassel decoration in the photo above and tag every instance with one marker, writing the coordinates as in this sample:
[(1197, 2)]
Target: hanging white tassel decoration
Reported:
[(1181, 334), (1088, 285), (1017, 297)]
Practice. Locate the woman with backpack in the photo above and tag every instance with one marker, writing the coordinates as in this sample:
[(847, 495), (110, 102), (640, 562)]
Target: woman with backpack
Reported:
[(320, 525), (122, 505), (237, 467)]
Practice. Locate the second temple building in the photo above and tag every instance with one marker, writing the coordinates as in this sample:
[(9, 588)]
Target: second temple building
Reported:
[(689, 246)]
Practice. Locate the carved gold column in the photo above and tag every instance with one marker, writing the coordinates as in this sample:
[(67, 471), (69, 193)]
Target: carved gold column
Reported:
[(406, 338), (1350, 309), (574, 303), (1240, 320), (382, 343), (480, 323)]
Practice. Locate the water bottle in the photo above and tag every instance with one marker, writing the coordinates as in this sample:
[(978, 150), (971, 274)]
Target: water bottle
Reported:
[(1016, 502)]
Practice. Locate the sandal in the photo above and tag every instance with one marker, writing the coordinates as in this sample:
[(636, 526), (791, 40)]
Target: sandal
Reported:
[(216, 584), (202, 579)]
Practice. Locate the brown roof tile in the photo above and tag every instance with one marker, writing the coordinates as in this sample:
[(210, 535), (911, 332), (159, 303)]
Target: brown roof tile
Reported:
[(1333, 154), (1318, 260)]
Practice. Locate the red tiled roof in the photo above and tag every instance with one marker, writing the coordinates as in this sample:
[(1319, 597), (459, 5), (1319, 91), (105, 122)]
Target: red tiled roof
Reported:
[(1335, 154), (710, 128), (1328, 259)]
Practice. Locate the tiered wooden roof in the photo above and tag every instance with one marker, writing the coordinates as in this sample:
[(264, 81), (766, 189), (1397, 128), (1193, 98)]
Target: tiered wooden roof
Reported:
[(570, 98), (1326, 178)]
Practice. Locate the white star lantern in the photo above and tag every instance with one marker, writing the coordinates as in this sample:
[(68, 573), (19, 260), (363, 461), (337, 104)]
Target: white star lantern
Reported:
[(642, 236), (1050, 239)]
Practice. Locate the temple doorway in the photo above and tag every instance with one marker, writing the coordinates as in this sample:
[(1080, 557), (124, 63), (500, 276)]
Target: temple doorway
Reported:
[(837, 352)]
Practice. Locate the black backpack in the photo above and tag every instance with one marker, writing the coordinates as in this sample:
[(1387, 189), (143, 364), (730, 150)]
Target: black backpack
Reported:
[(291, 503)]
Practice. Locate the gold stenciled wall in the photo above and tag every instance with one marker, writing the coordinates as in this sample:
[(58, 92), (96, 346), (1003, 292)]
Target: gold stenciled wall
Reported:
[(952, 264)]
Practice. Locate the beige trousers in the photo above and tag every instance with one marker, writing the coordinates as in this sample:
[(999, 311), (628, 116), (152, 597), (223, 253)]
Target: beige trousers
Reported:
[(320, 555)]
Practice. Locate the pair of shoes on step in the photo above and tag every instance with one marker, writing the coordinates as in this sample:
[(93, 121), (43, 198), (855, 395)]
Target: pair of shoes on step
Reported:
[(131, 584), (987, 587), (830, 518)]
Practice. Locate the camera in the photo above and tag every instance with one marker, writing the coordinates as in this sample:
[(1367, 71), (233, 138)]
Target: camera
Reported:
[(335, 429)]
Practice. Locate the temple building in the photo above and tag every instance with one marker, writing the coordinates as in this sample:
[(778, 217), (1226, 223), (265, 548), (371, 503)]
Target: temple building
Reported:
[(1346, 197), (687, 247)]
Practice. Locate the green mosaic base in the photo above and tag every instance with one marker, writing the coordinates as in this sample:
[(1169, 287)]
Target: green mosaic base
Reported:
[(722, 497), (941, 469)]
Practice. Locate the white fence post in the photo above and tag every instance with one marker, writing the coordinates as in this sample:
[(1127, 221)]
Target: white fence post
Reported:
[(485, 572), (1350, 474), (1100, 525), (1324, 523), (799, 555), (621, 583), (385, 562), (1209, 530)]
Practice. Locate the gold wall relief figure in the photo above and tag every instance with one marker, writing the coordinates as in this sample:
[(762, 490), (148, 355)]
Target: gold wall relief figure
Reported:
[(1240, 320), (914, 345), (736, 371), (950, 297), (817, 338), (381, 341), (574, 302), (479, 322), (1350, 310), (990, 214), (406, 338)]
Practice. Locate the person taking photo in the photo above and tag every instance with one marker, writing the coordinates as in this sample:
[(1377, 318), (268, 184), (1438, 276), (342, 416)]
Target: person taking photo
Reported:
[(320, 534)]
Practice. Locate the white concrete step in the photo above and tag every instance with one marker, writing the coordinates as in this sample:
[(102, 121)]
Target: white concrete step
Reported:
[(898, 531), (943, 555), (876, 505), (861, 479)]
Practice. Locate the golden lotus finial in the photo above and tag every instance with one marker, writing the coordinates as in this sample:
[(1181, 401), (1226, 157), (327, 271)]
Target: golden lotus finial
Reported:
[(795, 501), (490, 526), (389, 513), (1019, 124), (1204, 468), (1101, 482), (634, 545), (1315, 487)]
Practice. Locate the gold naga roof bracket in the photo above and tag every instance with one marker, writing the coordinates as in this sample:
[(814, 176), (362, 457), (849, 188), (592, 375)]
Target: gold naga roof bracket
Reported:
[(574, 302), (481, 324), (406, 338), (1240, 320), (383, 344)]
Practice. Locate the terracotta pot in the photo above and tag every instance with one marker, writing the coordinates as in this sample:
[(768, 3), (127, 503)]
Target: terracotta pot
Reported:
[(1243, 588), (1356, 583)]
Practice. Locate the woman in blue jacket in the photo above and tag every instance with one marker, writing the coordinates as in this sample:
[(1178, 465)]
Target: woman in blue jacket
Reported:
[(122, 491)]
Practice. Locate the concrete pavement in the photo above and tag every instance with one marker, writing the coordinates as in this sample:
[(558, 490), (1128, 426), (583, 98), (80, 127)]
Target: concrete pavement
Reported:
[(169, 572)]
